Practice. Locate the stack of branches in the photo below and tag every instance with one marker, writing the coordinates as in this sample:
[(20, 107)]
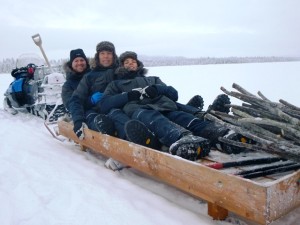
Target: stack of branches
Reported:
[(275, 127)]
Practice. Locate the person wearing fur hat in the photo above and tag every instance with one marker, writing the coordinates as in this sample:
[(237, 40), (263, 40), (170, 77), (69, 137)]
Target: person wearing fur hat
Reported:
[(85, 99), (153, 104), (75, 68), (150, 101)]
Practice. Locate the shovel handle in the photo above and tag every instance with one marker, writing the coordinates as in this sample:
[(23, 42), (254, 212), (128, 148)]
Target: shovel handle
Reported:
[(37, 39)]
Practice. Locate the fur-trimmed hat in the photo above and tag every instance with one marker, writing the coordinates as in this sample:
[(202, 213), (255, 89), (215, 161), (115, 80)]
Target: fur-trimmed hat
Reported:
[(105, 46), (77, 53), (126, 55)]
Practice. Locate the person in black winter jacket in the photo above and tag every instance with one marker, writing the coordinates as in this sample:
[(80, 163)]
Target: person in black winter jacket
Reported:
[(83, 104), (75, 68), (150, 101)]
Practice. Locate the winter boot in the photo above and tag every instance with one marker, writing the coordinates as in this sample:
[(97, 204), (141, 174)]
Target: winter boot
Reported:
[(197, 102), (231, 149), (191, 147), (138, 133), (219, 104), (104, 124), (212, 131)]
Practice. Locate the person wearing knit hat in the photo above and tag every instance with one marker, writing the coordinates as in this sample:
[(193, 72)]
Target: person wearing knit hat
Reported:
[(77, 53), (75, 68)]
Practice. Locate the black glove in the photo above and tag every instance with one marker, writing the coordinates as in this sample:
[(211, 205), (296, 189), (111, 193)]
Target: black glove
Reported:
[(133, 95), (219, 104), (151, 92), (78, 129), (197, 102)]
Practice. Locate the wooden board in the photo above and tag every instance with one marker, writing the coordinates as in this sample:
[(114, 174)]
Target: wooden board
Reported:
[(262, 203)]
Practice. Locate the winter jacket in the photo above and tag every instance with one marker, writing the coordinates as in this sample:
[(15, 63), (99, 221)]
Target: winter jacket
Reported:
[(94, 81), (115, 95), (72, 81)]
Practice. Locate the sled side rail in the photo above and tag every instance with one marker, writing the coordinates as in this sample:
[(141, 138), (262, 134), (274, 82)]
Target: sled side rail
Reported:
[(224, 192)]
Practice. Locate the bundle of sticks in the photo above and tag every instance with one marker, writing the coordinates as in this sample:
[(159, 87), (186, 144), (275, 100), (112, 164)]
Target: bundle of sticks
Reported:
[(274, 126)]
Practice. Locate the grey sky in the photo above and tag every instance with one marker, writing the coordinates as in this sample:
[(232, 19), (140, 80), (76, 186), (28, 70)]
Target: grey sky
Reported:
[(190, 28)]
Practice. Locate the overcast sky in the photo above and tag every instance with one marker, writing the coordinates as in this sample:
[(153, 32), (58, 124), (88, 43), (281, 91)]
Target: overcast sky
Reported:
[(190, 28)]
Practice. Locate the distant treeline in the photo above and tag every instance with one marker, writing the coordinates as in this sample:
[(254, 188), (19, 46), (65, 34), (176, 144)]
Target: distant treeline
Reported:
[(7, 65), (180, 61)]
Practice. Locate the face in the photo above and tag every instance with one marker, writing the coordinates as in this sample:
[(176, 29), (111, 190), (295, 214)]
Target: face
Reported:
[(130, 64), (79, 65), (106, 58)]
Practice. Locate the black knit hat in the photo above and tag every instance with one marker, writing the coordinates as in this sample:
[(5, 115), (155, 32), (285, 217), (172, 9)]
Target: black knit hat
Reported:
[(127, 54), (77, 53), (105, 46)]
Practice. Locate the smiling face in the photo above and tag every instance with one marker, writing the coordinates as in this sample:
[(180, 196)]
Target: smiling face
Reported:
[(130, 64), (79, 65), (106, 58)]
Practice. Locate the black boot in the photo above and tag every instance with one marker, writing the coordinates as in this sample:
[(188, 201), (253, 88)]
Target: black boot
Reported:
[(219, 104), (232, 149), (212, 131), (138, 133), (191, 147), (104, 124), (197, 102)]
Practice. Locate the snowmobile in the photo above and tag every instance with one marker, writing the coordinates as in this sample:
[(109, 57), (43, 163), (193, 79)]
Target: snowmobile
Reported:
[(36, 88), (36, 91)]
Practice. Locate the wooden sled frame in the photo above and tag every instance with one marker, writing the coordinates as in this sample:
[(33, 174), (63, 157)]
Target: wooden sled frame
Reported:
[(262, 203)]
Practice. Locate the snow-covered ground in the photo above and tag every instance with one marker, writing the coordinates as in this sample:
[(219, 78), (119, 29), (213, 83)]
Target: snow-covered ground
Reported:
[(44, 181)]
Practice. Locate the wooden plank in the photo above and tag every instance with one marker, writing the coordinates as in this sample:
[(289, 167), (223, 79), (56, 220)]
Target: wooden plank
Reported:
[(284, 195), (223, 191)]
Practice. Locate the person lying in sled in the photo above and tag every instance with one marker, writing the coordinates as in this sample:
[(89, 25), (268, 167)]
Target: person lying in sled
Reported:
[(150, 101)]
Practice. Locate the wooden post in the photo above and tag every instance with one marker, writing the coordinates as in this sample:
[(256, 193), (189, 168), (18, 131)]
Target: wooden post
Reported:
[(216, 212)]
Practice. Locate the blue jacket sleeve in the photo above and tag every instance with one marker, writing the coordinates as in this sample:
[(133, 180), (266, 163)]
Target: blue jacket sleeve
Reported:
[(112, 98), (168, 91), (109, 102)]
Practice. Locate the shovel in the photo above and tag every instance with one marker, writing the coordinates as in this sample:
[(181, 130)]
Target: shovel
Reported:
[(38, 41)]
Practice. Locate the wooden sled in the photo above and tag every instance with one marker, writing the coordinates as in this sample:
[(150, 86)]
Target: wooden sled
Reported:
[(255, 201)]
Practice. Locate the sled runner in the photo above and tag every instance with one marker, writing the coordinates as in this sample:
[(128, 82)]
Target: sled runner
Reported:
[(262, 200)]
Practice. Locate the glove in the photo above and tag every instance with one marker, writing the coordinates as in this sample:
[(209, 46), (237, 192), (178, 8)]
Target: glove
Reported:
[(197, 102), (133, 95), (150, 92), (96, 97), (78, 129), (220, 103)]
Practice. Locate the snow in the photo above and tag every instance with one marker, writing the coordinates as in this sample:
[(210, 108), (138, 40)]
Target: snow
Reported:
[(44, 181)]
